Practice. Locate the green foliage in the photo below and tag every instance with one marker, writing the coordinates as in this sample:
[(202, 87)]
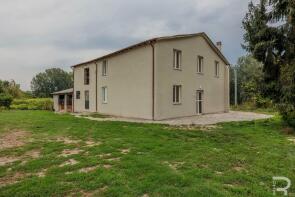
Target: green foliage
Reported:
[(250, 79), (5, 100), (261, 102), (11, 88), (52, 80), (270, 38), (33, 104)]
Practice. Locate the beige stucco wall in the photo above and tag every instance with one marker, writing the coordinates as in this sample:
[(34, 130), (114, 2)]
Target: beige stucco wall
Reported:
[(214, 88), (55, 102), (128, 81), (129, 84), (79, 104)]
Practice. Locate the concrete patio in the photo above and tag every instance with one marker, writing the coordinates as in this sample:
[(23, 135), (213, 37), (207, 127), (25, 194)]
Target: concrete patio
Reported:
[(207, 119)]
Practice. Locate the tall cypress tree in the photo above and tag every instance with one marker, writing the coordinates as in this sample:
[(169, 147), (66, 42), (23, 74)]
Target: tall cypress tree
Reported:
[(270, 38)]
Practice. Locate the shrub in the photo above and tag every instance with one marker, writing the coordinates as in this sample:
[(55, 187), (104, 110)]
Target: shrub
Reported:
[(261, 102), (5, 100), (33, 104), (288, 114)]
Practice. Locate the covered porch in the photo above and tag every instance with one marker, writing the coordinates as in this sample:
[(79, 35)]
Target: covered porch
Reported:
[(63, 100)]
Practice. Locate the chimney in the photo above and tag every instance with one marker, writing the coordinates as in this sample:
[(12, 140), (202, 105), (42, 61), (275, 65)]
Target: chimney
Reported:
[(219, 45)]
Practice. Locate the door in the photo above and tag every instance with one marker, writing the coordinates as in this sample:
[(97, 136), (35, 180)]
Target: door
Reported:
[(70, 103), (86, 99), (199, 102), (61, 102)]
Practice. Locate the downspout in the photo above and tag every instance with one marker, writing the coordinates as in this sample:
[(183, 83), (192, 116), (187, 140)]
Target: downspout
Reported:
[(96, 85), (73, 90), (153, 80)]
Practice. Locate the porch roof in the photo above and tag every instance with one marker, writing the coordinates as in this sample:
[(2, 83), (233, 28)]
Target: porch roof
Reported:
[(67, 91)]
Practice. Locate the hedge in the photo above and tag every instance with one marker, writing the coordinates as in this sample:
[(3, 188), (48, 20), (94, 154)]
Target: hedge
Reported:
[(5, 100), (32, 104)]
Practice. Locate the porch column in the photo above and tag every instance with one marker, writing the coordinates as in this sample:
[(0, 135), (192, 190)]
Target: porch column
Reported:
[(66, 100)]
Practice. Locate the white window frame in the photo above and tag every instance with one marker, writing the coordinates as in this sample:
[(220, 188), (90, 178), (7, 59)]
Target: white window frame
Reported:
[(216, 69), (199, 101), (200, 68), (104, 70), (177, 59), (104, 94), (177, 97)]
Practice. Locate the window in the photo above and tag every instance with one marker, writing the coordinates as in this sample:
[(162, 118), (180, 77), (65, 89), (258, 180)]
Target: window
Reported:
[(86, 76), (216, 69), (177, 59), (200, 64), (176, 94), (199, 101), (86, 99), (104, 68), (78, 95), (104, 95)]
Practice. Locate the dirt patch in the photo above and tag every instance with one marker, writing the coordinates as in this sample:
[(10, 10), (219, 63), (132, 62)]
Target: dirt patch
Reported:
[(88, 169), (219, 173), (68, 152), (238, 168), (42, 173), (13, 139), (8, 160), (125, 151), (288, 130), (174, 165), (107, 166), (12, 179), (145, 195), (105, 155), (91, 143), (70, 162), (33, 154), (292, 139), (209, 127), (114, 159), (66, 140)]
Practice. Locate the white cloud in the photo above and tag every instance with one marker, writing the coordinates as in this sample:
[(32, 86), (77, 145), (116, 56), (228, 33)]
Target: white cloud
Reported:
[(39, 34)]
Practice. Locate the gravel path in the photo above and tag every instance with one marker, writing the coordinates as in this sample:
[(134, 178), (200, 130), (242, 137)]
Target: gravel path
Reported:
[(207, 119)]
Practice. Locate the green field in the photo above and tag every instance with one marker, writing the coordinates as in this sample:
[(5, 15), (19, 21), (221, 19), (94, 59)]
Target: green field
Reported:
[(46, 154)]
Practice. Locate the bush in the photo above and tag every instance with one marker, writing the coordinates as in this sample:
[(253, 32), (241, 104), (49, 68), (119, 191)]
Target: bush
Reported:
[(288, 114), (5, 100), (33, 104), (261, 102)]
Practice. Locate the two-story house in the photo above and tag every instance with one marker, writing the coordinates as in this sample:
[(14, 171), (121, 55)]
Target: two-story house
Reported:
[(161, 78)]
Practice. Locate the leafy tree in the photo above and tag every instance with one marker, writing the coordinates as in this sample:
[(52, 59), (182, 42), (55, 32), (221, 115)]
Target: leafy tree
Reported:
[(250, 78), (270, 37), (52, 80), (10, 88)]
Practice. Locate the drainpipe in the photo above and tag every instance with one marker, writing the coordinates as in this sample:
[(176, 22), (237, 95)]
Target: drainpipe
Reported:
[(73, 98), (153, 80), (96, 85)]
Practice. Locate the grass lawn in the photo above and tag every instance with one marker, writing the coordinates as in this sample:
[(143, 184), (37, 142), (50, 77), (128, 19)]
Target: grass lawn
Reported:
[(46, 154)]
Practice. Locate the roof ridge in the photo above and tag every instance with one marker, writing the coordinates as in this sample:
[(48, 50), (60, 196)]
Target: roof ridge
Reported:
[(155, 39)]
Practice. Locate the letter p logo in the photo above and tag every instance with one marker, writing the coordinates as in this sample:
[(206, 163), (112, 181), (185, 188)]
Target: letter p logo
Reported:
[(283, 189)]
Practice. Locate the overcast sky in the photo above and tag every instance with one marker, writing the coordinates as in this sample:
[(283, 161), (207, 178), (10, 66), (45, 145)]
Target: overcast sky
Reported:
[(40, 34)]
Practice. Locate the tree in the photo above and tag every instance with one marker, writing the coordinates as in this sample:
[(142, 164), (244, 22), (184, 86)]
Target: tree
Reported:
[(52, 80), (270, 37), (250, 78), (10, 88), (265, 43)]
